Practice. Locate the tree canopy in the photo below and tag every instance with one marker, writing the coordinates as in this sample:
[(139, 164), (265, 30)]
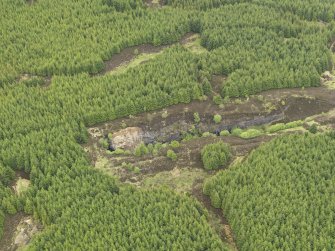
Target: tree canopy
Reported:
[(282, 196)]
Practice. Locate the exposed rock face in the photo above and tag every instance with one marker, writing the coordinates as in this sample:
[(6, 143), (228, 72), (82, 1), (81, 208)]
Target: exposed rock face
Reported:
[(127, 138), (25, 230), (131, 137)]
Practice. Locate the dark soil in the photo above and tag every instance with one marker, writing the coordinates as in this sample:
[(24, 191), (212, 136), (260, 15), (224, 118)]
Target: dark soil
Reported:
[(244, 114), (301, 108), (22, 174)]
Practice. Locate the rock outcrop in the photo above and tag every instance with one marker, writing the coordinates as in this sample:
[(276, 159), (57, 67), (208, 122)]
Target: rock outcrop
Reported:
[(127, 138), (25, 230)]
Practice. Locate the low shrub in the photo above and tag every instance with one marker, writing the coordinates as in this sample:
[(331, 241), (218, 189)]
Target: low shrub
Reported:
[(131, 168), (251, 133), (171, 155), (118, 151), (217, 99), (208, 134), (196, 118), (141, 150), (136, 170), (294, 124), (313, 128), (275, 128), (175, 144), (282, 126), (236, 131), (150, 148), (224, 133), (217, 118), (104, 143)]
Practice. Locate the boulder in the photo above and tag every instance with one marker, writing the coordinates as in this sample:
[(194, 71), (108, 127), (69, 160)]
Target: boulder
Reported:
[(127, 138), (25, 231)]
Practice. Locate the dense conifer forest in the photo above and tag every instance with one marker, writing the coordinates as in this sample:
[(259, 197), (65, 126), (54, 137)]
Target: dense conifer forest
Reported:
[(54, 86), (261, 197)]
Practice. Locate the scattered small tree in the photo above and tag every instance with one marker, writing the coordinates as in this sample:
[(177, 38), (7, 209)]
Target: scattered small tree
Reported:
[(196, 118), (313, 128), (141, 150), (104, 143), (171, 155), (136, 170), (175, 144), (217, 99), (236, 131)]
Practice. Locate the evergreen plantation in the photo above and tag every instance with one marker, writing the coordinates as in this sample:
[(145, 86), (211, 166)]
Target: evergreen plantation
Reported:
[(282, 196), (258, 44)]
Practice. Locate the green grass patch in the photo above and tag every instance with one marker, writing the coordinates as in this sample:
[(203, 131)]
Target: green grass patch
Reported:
[(330, 85), (21, 186), (101, 162), (135, 62), (181, 180), (194, 45)]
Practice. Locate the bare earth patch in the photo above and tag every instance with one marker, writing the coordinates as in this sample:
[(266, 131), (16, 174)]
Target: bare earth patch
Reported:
[(21, 185), (18, 231)]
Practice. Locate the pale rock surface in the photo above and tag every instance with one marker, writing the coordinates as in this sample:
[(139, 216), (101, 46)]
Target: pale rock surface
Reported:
[(127, 138)]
